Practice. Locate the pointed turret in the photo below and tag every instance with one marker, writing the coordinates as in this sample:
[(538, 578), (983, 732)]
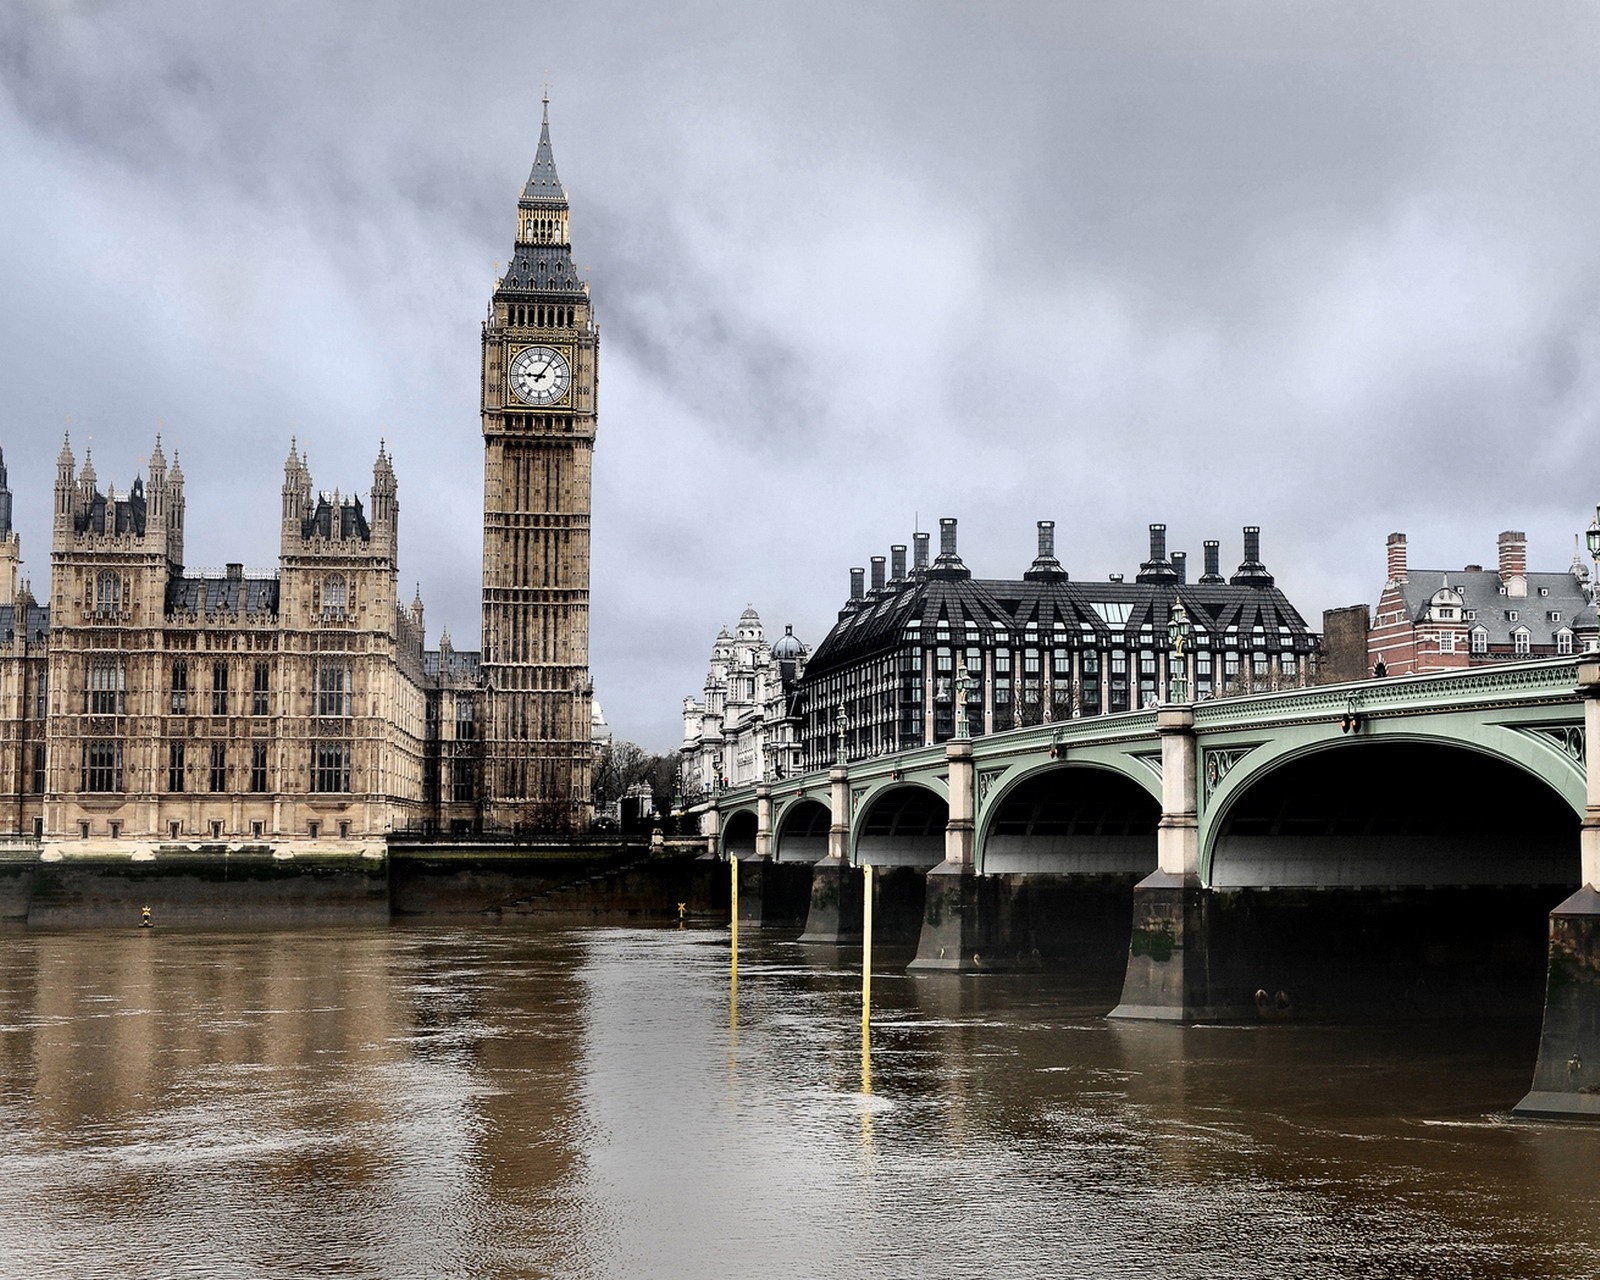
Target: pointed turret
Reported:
[(5, 498), (385, 506), (66, 466)]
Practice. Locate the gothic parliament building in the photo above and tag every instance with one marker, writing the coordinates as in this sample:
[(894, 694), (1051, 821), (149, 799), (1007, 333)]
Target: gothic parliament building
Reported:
[(144, 705)]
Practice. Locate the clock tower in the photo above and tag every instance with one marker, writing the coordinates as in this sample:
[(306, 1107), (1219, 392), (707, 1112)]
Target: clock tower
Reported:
[(540, 375)]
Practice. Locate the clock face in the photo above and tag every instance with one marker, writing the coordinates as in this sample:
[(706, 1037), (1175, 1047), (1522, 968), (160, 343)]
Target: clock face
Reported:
[(539, 375)]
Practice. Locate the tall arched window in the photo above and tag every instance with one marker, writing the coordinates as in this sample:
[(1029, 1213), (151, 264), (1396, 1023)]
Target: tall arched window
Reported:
[(108, 592), (335, 598)]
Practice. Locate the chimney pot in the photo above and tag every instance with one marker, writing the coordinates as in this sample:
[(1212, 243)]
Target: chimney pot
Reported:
[(877, 573), (897, 562), (1213, 560), (921, 541), (1252, 544), (947, 536), (1047, 539), (1514, 562), (857, 583), (235, 572), (1158, 543), (1180, 564)]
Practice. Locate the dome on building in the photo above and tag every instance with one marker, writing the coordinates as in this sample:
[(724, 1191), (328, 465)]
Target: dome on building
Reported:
[(788, 648), (750, 624)]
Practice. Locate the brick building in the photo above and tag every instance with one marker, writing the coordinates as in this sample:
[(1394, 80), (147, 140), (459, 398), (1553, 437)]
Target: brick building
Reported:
[(1446, 619)]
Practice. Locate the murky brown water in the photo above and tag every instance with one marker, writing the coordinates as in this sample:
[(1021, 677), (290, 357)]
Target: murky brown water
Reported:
[(452, 1102)]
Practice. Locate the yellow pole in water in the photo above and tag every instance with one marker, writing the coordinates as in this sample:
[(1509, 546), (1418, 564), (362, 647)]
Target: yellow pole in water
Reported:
[(866, 946)]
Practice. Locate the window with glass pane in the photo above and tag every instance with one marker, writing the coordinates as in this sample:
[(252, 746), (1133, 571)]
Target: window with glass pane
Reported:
[(107, 688), (180, 687), (175, 782), (333, 690), (219, 689), (102, 766), (258, 767), (219, 766), (259, 690)]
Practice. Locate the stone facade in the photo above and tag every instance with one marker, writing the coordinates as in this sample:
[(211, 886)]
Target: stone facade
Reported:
[(540, 388), (745, 728), (147, 703)]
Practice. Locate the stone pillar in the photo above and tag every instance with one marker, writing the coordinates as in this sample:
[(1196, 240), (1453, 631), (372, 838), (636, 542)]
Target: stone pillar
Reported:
[(1170, 973), (1566, 1078), (763, 822), (711, 825), (835, 915), (956, 930)]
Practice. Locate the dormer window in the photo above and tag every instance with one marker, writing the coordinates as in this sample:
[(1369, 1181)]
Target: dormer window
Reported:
[(1544, 591), (1479, 640), (1521, 642), (1555, 614), (1511, 615), (1563, 641)]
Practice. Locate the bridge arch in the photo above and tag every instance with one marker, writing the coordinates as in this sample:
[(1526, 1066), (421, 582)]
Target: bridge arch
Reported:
[(900, 825), (1071, 817), (800, 831), (1393, 809), (739, 833)]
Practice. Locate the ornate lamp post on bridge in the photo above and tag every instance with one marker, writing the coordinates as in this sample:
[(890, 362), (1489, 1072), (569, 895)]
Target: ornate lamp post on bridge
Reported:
[(964, 685), (1593, 539), (1177, 660)]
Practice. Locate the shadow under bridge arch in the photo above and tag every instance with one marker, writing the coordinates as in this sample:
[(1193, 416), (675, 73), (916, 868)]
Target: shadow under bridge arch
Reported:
[(1072, 820), (902, 827), (801, 833), (1377, 814), (739, 834)]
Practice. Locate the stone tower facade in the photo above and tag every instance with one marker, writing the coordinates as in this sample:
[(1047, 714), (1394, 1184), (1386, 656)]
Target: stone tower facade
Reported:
[(539, 406)]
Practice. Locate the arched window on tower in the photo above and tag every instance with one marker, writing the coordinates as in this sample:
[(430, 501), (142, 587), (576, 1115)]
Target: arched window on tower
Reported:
[(335, 596), (108, 592)]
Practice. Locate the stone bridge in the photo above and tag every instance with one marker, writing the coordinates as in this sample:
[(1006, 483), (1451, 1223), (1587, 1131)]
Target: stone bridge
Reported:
[(1386, 845)]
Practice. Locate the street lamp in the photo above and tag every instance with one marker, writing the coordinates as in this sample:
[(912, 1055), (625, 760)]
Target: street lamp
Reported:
[(964, 685), (838, 725), (1177, 662), (1593, 539)]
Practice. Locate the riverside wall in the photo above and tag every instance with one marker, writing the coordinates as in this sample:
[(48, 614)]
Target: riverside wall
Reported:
[(200, 884)]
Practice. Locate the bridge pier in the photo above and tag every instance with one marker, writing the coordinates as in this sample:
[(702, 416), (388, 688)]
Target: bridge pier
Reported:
[(1170, 975), (835, 914), (1566, 1078), (959, 908)]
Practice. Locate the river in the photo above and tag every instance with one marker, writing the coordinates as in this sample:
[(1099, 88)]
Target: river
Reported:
[(471, 1102)]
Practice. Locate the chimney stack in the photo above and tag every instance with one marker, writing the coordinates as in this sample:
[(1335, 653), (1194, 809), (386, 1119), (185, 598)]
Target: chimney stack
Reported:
[(857, 583), (920, 561), (947, 537), (897, 562), (1158, 543), (1045, 564), (1180, 565), (1397, 557), (1514, 562), (1213, 557), (1252, 544), (1157, 568), (877, 573)]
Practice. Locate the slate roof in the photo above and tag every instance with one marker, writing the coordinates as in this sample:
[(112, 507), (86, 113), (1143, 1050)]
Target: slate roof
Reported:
[(1480, 594), (543, 186), (38, 621), (341, 519), (210, 596), (1095, 614), (463, 664), (115, 515), (541, 268)]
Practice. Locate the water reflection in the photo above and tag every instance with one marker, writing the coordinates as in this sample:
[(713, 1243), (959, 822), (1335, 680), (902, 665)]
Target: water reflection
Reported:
[(608, 1103)]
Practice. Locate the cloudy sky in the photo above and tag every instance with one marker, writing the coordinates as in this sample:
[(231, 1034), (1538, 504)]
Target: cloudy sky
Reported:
[(1329, 268)]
